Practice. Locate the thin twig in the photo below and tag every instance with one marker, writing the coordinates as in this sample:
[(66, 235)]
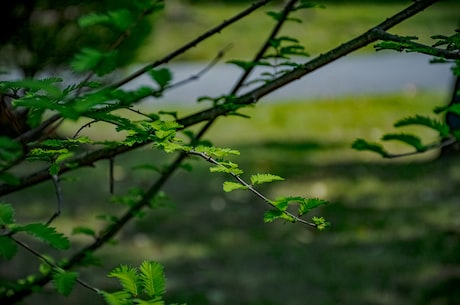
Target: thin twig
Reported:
[(51, 264), (447, 142), (250, 187), (59, 198)]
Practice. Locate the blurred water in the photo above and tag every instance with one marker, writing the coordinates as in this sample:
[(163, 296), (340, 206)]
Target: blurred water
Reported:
[(381, 72)]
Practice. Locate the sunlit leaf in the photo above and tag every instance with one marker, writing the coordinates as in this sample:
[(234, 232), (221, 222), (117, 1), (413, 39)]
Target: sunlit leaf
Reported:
[(229, 186)]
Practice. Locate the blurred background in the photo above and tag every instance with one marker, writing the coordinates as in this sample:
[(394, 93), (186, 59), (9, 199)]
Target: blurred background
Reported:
[(395, 225)]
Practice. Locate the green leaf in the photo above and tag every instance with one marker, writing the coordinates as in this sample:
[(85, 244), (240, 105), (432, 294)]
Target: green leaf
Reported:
[(121, 19), (231, 186), (86, 60), (216, 152), (363, 145), (264, 178), (152, 278), (227, 167), (439, 126), (307, 204), (409, 139), (116, 298), (90, 59), (271, 215), (92, 19), (8, 248), (320, 223), (127, 277), (47, 235), (64, 281), (6, 214), (161, 76), (84, 231)]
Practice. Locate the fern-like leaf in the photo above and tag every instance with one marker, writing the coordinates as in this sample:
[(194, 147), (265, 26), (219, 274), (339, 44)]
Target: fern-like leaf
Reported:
[(116, 298), (437, 125), (409, 139), (46, 234), (152, 278), (264, 178), (307, 204), (64, 281), (128, 278), (363, 145)]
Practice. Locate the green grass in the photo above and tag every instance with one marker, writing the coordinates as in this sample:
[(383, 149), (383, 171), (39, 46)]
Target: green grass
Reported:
[(321, 30), (394, 237)]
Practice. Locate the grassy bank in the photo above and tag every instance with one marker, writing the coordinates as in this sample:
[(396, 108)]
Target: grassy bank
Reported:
[(321, 30)]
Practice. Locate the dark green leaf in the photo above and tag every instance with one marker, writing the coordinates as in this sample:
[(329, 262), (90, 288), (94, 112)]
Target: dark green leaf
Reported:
[(409, 139), (8, 248), (84, 231), (47, 235), (10, 179), (64, 281), (439, 126), (363, 145), (161, 76)]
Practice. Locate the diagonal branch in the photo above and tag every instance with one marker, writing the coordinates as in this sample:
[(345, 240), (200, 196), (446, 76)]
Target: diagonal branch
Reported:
[(411, 46)]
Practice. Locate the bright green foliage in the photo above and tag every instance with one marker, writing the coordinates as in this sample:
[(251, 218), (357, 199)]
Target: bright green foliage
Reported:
[(308, 204), (64, 281), (264, 178), (143, 285), (271, 215), (46, 234), (227, 167), (229, 186), (152, 278), (127, 277), (320, 223), (216, 152)]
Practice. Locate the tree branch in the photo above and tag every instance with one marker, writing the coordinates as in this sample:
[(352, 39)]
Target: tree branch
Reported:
[(411, 46)]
